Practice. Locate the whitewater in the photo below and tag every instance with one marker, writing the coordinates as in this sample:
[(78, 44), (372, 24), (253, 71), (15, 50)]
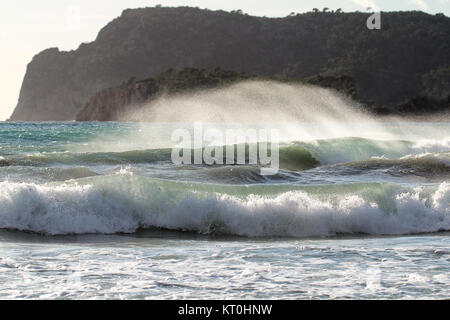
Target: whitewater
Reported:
[(360, 207)]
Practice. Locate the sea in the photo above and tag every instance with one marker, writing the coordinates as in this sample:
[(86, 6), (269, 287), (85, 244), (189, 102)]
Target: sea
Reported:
[(99, 210)]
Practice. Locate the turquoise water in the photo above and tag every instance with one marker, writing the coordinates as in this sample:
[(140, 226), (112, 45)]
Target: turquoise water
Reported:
[(98, 210)]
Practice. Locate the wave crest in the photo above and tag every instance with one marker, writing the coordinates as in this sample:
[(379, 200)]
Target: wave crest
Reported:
[(123, 204)]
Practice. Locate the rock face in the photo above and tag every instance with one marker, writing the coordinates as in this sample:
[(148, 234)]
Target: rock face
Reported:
[(408, 57), (45, 89), (114, 104), (124, 102), (111, 104), (118, 103)]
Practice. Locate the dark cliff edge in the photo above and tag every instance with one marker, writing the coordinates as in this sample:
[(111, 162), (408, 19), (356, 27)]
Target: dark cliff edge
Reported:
[(113, 104), (405, 63)]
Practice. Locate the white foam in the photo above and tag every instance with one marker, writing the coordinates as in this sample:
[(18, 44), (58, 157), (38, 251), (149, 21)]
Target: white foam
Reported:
[(77, 209)]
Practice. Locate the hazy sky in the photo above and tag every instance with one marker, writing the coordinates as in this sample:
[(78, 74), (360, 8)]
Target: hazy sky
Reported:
[(28, 27)]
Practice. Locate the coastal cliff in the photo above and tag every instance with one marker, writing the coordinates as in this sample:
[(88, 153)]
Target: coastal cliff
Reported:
[(118, 103), (406, 59), (113, 103)]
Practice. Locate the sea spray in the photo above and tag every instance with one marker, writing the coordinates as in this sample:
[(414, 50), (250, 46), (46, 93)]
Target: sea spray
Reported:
[(299, 112)]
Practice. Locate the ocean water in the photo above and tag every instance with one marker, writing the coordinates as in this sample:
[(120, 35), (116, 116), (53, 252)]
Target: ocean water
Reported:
[(98, 210)]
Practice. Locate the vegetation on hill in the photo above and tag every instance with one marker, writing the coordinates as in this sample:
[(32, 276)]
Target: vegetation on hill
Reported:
[(408, 58)]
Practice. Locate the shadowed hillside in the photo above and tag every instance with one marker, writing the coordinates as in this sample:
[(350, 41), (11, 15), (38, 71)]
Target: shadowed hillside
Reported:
[(115, 104), (408, 59)]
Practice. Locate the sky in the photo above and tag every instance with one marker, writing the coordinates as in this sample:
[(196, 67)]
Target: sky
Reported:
[(28, 27)]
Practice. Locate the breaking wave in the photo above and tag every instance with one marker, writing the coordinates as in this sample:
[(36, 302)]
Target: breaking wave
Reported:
[(126, 203), (293, 156)]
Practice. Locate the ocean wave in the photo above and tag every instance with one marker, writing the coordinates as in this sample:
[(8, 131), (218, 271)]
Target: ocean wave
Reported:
[(428, 165), (45, 174), (295, 156), (126, 203), (350, 149), (291, 158), (235, 175)]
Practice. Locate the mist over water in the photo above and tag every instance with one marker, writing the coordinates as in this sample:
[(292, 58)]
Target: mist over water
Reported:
[(263, 103), (299, 112), (250, 102)]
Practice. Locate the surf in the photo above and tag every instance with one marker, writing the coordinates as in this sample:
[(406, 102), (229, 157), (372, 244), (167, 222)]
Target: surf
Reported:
[(296, 155), (126, 203)]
